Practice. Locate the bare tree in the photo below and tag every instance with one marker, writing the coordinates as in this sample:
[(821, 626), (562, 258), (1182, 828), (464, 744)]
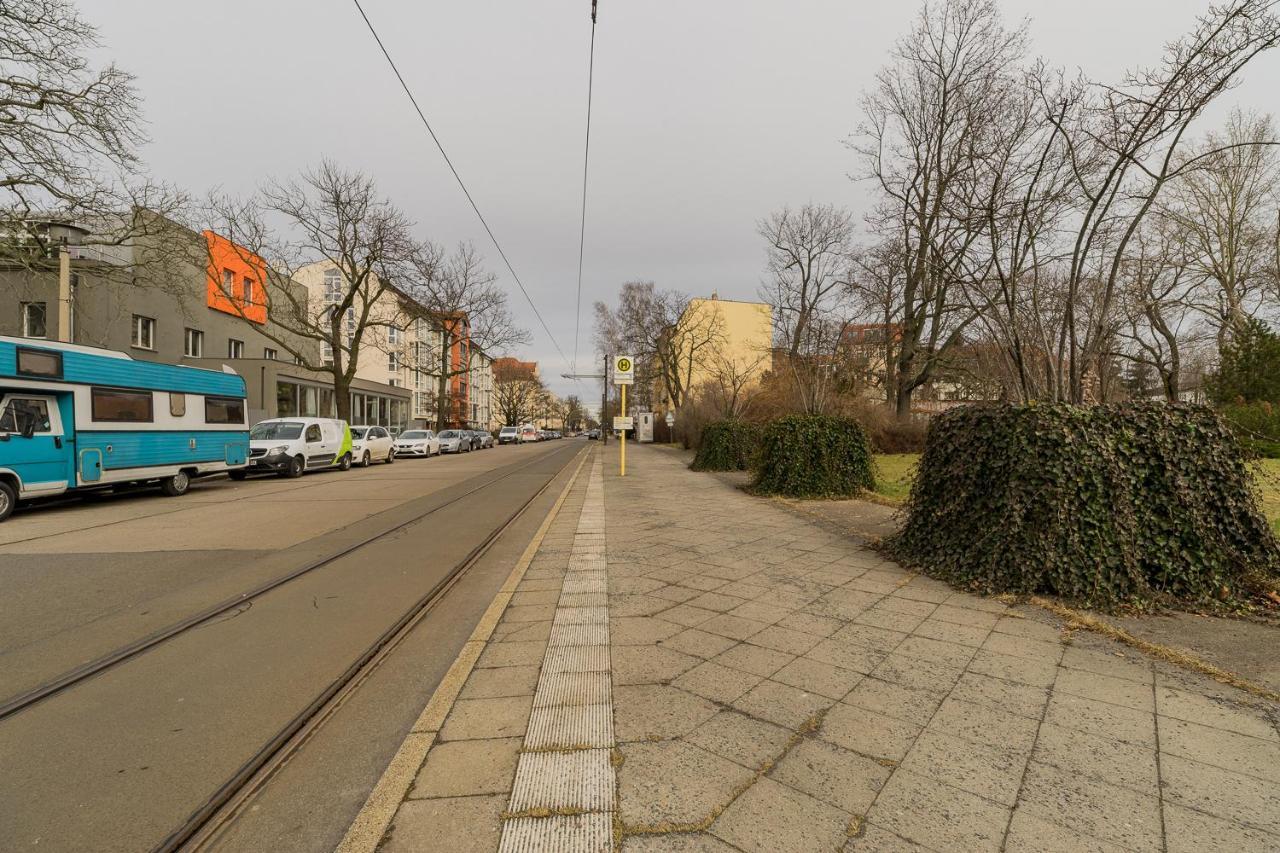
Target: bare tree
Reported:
[(929, 114), (470, 312), (733, 385), (336, 219), (669, 335), (1125, 145), (1222, 213), (516, 392), (807, 266)]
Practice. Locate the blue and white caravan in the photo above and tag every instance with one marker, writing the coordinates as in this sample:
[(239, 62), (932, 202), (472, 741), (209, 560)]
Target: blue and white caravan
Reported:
[(78, 417)]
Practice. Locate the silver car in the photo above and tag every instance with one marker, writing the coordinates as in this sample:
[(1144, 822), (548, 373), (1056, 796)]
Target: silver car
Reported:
[(454, 441), (482, 438)]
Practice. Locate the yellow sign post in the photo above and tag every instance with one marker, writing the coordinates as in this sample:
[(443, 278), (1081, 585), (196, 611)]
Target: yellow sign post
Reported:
[(623, 375)]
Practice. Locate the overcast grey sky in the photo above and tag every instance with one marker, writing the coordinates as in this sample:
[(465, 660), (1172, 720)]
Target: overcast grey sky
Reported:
[(708, 115)]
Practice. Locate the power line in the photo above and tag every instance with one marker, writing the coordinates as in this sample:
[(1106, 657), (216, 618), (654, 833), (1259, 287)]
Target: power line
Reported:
[(586, 159), (458, 178)]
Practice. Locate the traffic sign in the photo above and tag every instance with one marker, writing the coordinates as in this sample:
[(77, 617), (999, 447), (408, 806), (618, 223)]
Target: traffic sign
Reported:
[(671, 419), (624, 370), (621, 423)]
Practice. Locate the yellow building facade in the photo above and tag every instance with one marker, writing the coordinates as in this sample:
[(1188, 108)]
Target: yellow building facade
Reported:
[(719, 342)]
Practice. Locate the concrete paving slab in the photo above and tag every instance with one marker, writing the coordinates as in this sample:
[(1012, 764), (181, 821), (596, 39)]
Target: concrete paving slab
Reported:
[(674, 784), (769, 817)]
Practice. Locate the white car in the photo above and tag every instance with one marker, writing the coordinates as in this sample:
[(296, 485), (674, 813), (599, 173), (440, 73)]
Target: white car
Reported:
[(371, 444), (455, 441), (417, 442), (509, 435), (291, 446)]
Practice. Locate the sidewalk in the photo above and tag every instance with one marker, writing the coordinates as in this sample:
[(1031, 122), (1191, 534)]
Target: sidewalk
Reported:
[(776, 687)]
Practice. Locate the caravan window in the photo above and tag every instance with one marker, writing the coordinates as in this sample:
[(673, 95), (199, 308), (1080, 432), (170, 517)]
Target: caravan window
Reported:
[(18, 412), (177, 404), (111, 404), (40, 362), (223, 410)]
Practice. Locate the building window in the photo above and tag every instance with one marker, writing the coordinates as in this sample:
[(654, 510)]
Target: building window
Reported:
[(34, 320), (247, 283), (393, 335), (393, 382), (193, 343), (286, 399), (235, 349), (223, 410), (113, 404), (228, 283), (393, 362), (326, 352), (144, 332), (269, 354), (332, 286)]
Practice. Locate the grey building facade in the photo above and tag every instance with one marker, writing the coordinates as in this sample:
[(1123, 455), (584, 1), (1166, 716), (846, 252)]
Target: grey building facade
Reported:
[(170, 313)]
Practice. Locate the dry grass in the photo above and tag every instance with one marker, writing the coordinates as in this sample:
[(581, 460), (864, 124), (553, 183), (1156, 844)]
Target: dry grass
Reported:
[(1075, 619)]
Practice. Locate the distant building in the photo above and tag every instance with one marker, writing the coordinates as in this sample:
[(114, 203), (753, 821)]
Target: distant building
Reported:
[(721, 340), (190, 315)]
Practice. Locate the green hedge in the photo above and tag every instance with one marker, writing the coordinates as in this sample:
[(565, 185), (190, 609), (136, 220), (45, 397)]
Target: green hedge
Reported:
[(1134, 503), (1257, 425), (814, 456), (728, 445)]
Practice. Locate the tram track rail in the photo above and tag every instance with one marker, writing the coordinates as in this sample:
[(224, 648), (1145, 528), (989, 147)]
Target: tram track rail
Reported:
[(208, 820), (103, 663)]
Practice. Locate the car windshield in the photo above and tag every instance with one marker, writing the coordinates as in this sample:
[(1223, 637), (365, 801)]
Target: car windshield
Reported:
[(506, 430), (358, 432), (449, 433), (273, 430), (413, 433)]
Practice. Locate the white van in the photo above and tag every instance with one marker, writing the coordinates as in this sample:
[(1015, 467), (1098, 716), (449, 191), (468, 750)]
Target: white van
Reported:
[(290, 446)]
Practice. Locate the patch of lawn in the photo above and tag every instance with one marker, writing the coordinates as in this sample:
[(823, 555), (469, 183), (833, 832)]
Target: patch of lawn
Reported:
[(895, 471), (1266, 476)]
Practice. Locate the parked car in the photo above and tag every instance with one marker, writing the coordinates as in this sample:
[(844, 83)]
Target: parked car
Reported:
[(292, 446), (484, 438), (528, 432), (371, 444), (454, 441), (417, 442), (79, 418), (509, 435), (594, 434)]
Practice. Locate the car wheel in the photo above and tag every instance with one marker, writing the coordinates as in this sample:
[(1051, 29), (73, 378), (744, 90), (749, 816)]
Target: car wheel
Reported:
[(296, 466), (344, 464), (365, 460), (391, 456), (8, 499), (176, 485), (238, 476)]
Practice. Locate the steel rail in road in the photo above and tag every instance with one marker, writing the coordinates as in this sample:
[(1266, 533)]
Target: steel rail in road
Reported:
[(220, 809), (85, 671)]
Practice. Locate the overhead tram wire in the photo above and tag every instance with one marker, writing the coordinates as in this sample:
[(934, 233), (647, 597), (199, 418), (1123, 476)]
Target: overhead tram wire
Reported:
[(586, 159), (458, 178)]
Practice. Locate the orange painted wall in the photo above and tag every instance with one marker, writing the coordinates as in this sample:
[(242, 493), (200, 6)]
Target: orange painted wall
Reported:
[(243, 264)]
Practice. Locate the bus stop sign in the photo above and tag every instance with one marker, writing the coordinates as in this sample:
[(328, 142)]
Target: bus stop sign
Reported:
[(624, 370)]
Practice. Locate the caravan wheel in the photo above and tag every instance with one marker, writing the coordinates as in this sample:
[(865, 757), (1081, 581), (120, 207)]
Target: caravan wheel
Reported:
[(176, 485)]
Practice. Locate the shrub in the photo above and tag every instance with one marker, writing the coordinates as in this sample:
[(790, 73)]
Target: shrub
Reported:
[(728, 445), (814, 456), (1257, 425), (887, 433), (1131, 503)]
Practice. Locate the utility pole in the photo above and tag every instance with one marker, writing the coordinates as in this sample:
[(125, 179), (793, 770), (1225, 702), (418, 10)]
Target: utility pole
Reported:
[(604, 395)]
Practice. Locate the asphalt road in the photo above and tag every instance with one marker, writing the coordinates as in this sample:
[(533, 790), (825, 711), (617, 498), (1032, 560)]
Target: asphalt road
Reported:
[(118, 761)]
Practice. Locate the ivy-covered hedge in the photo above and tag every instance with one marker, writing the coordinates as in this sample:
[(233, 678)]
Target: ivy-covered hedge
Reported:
[(1132, 503), (814, 456), (728, 445)]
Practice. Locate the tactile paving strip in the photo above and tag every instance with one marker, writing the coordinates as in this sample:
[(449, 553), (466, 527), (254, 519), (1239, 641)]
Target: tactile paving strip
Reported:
[(565, 765)]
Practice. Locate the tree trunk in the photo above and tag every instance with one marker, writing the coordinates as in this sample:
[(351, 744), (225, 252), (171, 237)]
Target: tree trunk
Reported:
[(442, 381), (342, 395)]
